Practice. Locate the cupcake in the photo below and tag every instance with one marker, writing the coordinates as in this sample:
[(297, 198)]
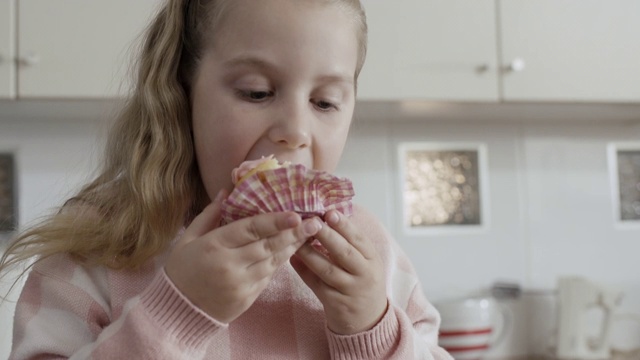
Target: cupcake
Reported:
[(266, 185)]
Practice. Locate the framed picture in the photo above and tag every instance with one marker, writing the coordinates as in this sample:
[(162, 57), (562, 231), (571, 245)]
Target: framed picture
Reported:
[(624, 173), (8, 201), (444, 187)]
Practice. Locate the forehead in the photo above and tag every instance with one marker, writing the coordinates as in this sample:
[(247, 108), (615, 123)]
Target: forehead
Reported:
[(255, 16), (307, 29)]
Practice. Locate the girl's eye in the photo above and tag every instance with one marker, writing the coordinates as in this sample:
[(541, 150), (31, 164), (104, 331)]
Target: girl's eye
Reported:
[(255, 95), (325, 105)]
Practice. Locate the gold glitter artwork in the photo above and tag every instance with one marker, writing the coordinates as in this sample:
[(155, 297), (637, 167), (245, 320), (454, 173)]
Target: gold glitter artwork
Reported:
[(441, 187), (629, 184), (7, 198)]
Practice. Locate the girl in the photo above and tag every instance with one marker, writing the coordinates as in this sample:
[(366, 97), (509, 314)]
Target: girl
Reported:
[(135, 266)]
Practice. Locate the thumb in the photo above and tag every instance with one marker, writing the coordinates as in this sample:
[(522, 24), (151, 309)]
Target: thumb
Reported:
[(208, 219)]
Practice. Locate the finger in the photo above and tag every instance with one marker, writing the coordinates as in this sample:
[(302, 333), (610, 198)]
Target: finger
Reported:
[(313, 281), (208, 219), (339, 250), (267, 267), (330, 273), (278, 248), (251, 229), (348, 230)]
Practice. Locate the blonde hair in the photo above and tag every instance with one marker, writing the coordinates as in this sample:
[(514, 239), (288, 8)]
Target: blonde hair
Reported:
[(149, 185)]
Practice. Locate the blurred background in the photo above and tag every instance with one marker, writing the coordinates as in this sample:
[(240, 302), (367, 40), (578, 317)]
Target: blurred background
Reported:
[(516, 122)]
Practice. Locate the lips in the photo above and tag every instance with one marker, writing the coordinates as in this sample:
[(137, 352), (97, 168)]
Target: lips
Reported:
[(295, 157)]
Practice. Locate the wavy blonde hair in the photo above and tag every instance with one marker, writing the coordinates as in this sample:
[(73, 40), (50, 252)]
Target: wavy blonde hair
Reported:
[(149, 184)]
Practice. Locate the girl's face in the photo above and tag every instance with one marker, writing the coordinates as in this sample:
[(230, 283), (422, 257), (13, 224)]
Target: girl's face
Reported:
[(277, 79)]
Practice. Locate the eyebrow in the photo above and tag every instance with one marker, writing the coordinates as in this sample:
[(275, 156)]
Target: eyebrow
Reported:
[(349, 80), (249, 61), (252, 61)]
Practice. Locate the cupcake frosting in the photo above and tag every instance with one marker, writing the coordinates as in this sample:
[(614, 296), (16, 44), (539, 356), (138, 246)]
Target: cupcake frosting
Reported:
[(250, 167)]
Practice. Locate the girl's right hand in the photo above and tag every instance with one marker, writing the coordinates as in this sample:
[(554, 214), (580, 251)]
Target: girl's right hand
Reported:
[(223, 270)]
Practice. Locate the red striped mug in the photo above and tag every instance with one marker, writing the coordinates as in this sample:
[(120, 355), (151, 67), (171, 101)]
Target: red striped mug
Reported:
[(470, 326)]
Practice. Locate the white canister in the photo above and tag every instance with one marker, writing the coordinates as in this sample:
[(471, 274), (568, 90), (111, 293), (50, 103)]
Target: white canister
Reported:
[(470, 326)]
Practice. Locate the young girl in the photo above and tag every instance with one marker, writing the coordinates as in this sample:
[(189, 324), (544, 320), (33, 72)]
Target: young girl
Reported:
[(135, 266)]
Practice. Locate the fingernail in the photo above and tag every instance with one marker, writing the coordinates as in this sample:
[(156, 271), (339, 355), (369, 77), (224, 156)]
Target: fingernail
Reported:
[(311, 227), (333, 218), (292, 220)]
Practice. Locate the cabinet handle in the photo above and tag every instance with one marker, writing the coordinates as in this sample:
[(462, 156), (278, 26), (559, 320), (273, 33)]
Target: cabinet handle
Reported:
[(516, 65), (482, 68), (30, 59)]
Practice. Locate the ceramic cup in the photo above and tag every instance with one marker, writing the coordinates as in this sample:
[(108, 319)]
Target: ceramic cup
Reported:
[(470, 326)]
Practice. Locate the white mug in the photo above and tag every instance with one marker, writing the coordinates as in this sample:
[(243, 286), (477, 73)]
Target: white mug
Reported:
[(470, 326)]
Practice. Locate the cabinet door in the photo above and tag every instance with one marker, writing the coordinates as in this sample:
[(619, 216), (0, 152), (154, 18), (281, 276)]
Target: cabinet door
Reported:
[(572, 50), (7, 56), (430, 49), (78, 48)]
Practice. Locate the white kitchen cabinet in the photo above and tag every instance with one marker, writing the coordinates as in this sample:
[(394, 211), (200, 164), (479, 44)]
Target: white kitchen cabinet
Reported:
[(78, 48), (503, 50), (430, 49), (7, 48), (571, 50)]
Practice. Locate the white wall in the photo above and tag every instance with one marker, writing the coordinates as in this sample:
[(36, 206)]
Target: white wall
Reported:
[(52, 156), (550, 206), (551, 214)]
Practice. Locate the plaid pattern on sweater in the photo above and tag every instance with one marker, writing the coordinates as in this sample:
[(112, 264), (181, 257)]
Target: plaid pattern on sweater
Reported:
[(70, 311)]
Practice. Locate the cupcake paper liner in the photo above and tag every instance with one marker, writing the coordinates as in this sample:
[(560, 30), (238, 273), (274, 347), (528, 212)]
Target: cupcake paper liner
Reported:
[(293, 188)]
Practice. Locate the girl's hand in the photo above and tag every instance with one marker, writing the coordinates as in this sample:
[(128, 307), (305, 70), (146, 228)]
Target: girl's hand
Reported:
[(222, 270), (349, 279)]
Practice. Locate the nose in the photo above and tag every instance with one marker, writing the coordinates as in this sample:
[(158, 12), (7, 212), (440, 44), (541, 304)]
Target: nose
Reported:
[(292, 127)]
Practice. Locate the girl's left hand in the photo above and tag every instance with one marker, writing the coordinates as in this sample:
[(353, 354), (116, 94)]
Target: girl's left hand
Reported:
[(349, 280)]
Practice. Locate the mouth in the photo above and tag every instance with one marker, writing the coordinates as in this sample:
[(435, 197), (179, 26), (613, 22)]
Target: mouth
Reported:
[(287, 159)]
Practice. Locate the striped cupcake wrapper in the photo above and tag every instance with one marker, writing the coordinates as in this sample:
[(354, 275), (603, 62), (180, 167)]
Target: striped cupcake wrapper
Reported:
[(293, 188)]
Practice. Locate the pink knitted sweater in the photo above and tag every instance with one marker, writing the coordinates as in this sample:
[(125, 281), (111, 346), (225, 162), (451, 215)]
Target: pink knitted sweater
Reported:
[(71, 311)]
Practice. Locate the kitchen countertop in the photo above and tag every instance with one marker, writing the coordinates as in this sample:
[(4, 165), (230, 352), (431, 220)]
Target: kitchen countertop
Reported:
[(629, 355)]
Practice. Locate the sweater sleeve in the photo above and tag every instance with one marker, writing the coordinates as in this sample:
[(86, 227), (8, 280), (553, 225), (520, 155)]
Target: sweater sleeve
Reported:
[(58, 318), (410, 333), (409, 328)]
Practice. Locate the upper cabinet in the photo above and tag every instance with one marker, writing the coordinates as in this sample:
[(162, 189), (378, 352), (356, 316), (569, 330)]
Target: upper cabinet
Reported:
[(7, 36), (440, 50), (77, 48), (507, 50), (571, 50), (430, 49)]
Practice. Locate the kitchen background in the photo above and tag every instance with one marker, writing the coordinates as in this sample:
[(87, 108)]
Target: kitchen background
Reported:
[(546, 86)]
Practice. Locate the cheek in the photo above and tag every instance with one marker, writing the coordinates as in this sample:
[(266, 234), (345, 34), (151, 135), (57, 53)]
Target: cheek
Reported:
[(214, 133), (330, 151), (211, 150)]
